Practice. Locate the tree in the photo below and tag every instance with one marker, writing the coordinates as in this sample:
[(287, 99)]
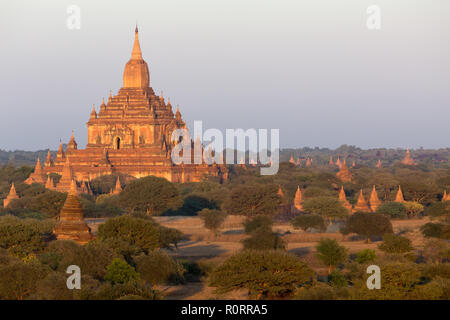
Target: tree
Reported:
[(436, 230), (264, 239), (193, 204), (212, 219), (265, 274), (413, 209), (145, 234), (152, 195), (119, 271), (307, 221), (395, 244), (158, 268), (327, 207), (366, 256), (436, 251), (18, 280), (331, 253), (367, 225), (258, 222), (394, 210), (251, 200), (438, 209)]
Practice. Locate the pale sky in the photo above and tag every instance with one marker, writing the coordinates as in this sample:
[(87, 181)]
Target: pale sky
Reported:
[(309, 68)]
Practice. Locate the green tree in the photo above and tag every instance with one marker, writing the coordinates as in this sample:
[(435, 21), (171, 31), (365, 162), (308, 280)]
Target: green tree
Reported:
[(264, 239), (394, 210), (258, 222), (158, 268), (395, 244), (265, 274), (119, 271), (308, 221), (367, 225), (366, 256), (152, 195), (438, 209), (413, 209), (251, 200), (331, 253), (212, 219), (327, 207)]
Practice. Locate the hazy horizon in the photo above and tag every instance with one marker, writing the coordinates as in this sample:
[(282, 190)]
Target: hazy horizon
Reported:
[(310, 68)]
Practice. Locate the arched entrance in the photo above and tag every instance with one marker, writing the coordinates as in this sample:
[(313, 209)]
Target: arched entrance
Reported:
[(117, 143)]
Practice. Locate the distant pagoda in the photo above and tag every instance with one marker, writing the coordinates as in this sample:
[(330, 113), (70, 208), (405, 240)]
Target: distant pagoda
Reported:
[(11, 196), (38, 176), (374, 201), (344, 201), (70, 224), (361, 205), (344, 173), (298, 199), (408, 160), (399, 195)]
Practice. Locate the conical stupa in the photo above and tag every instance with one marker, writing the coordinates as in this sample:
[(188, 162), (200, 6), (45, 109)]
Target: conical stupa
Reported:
[(374, 201), (11, 196), (117, 188), (379, 165), (399, 195), (70, 224), (37, 176), (408, 160), (343, 200), (298, 199), (344, 173), (361, 204)]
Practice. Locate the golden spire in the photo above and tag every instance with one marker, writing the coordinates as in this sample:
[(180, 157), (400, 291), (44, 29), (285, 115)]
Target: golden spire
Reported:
[(374, 201), (280, 192), (399, 195), (298, 199), (73, 188), (136, 53), (12, 191), (361, 204)]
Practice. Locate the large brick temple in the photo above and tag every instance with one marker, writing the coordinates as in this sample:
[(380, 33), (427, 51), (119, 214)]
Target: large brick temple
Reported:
[(130, 134)]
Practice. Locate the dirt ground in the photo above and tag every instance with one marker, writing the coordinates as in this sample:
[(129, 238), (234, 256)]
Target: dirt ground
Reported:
[(202, 245)]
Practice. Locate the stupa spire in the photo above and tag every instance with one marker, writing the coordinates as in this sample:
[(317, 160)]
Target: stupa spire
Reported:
[(374, 201), (399, 195), (343, 200), (361, 204), (298, 199), (136, 53)]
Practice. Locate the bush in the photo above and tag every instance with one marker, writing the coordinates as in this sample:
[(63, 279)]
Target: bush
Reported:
[(258, 222), (436, 230), (307, 221), (395, 244), (264, 239), (265, 274), (394, 210), (438, 209), (119, 271), (327, 207), (337, 279), (413, 209), (158, 268), (367, 225), (436, 251), (331, 253), (320, 291), (212, 219), (366, 256)]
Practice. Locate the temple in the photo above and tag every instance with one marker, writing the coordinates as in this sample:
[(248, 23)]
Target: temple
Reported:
[(344, 173), (343, 200), (70, 224), (374, 201), (298, 199), (399, 196), (408, 160), (11, 196), (361, 204), (129, 134)]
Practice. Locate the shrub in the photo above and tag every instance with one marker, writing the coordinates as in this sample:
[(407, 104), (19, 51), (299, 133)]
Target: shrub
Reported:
[(265, 274), (394, 210), (337, 279), (258, 222), (264, 239), (367, 225), (158, 268), (331, 253), (438, 209), (212, 219), (395, 244), (119, 271), (327, 207), (413, 208), (436, 230), (307, 221), (366, 256)]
